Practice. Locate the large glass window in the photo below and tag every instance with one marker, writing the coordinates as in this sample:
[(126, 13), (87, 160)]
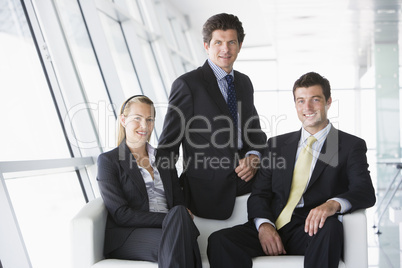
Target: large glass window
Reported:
[(178, 64), (44, 206), (86, 63), (180, 37), (132, 7), (134, 55), (30, 124), (32, 130), (122, 58), (157, 92)]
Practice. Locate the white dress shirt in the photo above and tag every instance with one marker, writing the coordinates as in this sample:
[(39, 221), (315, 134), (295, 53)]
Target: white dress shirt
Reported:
[(155, 189)]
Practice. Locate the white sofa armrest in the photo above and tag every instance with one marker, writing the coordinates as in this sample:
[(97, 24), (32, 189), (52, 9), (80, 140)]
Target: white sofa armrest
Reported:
[(87, 231), (355, 239)]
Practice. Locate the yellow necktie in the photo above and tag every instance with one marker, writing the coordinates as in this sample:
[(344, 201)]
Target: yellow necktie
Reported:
[(301, 175)]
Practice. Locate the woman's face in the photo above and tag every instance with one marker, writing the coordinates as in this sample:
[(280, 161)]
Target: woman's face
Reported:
[(139, 123)]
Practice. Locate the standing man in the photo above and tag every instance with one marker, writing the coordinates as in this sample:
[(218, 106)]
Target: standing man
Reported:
[(212, 116), (295, 207)]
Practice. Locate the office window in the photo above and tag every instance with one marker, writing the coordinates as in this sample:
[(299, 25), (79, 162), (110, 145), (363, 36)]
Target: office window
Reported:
[(122, 58), (367, 118), (32, 130), (179, 33), (133, 8), (157, 92), (44, 206), (166, 28), (89, 71), (180, 67), (30, 124)]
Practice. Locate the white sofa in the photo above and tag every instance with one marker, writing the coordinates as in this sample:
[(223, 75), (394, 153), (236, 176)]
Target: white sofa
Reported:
[(88, 227)]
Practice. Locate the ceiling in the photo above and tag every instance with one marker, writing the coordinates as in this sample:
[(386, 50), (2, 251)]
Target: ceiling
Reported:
[(331, 36)]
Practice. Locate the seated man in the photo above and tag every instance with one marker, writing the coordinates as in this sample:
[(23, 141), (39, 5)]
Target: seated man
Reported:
[(295, 206)]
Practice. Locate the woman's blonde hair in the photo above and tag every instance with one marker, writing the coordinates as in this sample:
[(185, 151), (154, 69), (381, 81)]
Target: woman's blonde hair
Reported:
[(124, 110)]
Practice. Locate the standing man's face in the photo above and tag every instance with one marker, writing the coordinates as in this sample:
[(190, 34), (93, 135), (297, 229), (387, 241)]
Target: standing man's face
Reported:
[(312, 108), (223, 48)]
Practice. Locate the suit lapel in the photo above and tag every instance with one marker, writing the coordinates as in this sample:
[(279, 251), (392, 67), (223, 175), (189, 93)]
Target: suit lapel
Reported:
[(329, 155), (130, 167), (289, 153), (165, 177), (213, 89)]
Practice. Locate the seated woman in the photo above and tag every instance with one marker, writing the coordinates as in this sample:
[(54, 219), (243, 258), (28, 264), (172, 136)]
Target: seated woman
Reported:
[(140, 189)]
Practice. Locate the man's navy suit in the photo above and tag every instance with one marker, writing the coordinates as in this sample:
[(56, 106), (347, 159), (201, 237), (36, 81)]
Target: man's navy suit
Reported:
[(198, 118)]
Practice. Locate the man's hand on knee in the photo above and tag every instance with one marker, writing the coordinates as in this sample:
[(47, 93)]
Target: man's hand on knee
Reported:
[(270, 240), (317, 216)]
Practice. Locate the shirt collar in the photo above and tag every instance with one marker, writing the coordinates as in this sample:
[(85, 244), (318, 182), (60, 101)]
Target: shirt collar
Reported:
[(320, 135), (218, 71), (151, 153)]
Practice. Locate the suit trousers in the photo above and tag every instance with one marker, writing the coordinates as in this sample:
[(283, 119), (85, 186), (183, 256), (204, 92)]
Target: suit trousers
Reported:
[(172, 246), (235, 247)]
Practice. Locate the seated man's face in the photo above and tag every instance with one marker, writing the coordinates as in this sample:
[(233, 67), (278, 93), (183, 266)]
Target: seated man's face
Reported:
[(312, 108)]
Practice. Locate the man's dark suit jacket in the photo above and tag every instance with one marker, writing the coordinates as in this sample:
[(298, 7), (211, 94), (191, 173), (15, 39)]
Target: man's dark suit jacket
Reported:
[(341, 171), (197, 120), (125, 195)]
